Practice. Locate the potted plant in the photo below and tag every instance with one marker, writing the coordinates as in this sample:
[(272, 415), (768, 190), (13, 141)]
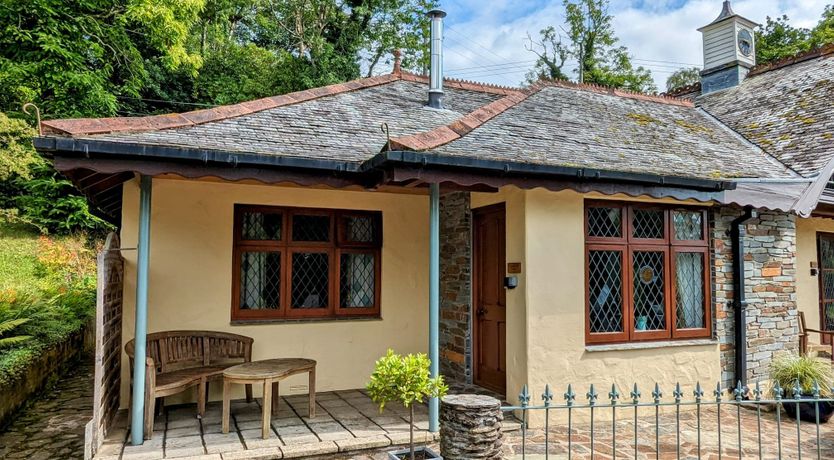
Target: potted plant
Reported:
[(808, 372), (405, 379)]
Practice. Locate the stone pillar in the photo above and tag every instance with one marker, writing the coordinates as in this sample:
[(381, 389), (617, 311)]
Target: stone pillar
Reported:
[(455, 287), (470, 427), (770, 285)]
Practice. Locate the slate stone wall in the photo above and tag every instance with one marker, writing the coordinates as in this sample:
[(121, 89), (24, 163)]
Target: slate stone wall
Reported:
[(455, 286), (770, 285)]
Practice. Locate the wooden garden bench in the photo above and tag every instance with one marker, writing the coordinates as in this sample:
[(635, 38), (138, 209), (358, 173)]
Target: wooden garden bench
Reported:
[(178, 360), (804, 333)]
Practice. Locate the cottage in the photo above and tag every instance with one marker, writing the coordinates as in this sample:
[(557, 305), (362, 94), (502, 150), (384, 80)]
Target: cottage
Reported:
[(553, 234)]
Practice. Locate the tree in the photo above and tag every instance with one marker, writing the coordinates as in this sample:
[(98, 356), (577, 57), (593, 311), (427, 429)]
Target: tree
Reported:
[(74, 58), (777, 39), (823, 33), (552, 55), (593, 44), (683, 77)]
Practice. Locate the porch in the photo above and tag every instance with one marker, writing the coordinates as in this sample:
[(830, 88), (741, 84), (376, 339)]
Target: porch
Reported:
[(345, 421)]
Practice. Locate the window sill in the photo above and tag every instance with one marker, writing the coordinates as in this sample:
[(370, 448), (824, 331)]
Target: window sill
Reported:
[(255, 322), (649, 345)]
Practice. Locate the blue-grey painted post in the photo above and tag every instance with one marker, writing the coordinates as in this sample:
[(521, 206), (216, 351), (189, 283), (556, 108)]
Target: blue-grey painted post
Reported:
[(434, 299), (137, 406)]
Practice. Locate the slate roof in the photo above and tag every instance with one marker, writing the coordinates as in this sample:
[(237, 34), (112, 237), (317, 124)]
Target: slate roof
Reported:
[(580, 126), (786, 108), (341, 124)]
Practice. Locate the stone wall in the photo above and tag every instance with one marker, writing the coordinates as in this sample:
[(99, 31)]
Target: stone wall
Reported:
[(455, 286), (49, 364), (770, 285)]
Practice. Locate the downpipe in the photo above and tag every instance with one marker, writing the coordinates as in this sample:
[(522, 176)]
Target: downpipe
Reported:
[(737, 234)]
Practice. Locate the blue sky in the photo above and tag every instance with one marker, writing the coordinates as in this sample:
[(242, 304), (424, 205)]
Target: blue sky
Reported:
[(485, 39)]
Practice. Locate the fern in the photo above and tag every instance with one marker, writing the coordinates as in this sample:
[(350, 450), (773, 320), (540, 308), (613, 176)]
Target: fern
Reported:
[(6, 327)]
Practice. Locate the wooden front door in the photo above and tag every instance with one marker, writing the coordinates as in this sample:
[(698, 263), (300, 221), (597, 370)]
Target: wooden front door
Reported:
[(489, 300), (825, 247)]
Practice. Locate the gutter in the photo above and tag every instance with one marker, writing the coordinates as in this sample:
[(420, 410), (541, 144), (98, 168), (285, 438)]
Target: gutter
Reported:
[(409, 158), (370, 168), (737, 233)]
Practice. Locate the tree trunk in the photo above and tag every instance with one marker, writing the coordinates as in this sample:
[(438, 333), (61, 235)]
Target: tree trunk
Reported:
[(411, 430)]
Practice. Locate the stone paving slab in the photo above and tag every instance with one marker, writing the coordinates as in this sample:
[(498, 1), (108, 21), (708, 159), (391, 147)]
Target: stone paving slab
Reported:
[(346, 421), (52, 426)]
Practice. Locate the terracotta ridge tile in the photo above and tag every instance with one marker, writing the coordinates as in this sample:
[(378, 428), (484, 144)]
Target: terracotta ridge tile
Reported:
[(659, 98), (821, 52), (462, 84), (88, 126), (455, 130)]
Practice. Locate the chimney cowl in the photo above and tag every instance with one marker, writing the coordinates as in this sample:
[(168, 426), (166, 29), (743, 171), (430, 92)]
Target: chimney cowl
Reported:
[(436, 65)]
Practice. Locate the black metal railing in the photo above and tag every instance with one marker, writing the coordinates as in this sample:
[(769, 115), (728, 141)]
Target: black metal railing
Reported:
[(735, 423)]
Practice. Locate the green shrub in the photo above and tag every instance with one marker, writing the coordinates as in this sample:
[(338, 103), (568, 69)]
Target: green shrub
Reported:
[(405, 379), (57, 301), (788, 369)]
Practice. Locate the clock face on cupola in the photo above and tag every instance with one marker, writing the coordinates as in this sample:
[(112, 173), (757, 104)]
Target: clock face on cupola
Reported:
[(745, 42)]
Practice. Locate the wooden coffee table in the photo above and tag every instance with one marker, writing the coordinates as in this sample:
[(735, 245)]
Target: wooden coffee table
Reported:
[(268, 373)]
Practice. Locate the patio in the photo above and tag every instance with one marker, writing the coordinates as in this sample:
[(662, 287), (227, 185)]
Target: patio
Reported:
[(345, 421)]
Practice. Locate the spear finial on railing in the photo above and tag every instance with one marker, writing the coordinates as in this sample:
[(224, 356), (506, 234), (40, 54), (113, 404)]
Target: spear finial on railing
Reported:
[(717, 392), (777, 391), (570, 396), (797, 390), (739, 392), (699, 392), (613, 395), (524, 396), (657, 394), (592, 395), (635, 395), (816, 390), (678, 394), (547, 396), (757, 392)]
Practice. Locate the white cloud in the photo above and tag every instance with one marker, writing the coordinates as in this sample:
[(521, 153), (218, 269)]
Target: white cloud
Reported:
[(490, 35)]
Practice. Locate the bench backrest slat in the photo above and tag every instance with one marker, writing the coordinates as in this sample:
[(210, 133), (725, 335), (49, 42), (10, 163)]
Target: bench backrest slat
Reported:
[(182, 349)]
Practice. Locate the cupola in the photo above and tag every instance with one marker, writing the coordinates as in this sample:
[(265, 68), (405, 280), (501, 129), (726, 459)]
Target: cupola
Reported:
[(729, 50)]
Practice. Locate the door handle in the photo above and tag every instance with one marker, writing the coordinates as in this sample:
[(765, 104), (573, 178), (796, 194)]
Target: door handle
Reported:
[(481, 311)]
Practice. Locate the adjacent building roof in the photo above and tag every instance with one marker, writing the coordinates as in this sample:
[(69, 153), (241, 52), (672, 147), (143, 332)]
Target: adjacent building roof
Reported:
[(583, 126), (785, 108)]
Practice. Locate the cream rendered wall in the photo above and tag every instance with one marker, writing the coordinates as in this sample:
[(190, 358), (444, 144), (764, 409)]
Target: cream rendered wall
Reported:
[(555, 293), (807, 286), (190, 276), (516, 298)]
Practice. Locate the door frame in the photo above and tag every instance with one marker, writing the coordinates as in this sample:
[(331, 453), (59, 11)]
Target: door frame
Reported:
[(825, 340), (502, 206)]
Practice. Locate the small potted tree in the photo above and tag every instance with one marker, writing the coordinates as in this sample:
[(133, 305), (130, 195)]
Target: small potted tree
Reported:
[(808, 372), (405, 379)]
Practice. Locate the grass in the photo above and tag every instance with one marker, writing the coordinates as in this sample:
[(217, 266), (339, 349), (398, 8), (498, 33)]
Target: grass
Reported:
[(18, 256)]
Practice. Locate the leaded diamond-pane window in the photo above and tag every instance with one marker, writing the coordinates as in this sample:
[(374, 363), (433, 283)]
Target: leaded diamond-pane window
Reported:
[(689, 289), (688, 225), (261, 226), (605, 291), (324, 265), (310, 280), (649, 285), (356, 280), (260, 280), (360, 229), (605, 222), (648, 224), (661, 286), (312, 228)]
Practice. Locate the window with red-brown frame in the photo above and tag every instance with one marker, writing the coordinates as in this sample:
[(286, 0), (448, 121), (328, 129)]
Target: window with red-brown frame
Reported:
[(293, 263), (647, 273)]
